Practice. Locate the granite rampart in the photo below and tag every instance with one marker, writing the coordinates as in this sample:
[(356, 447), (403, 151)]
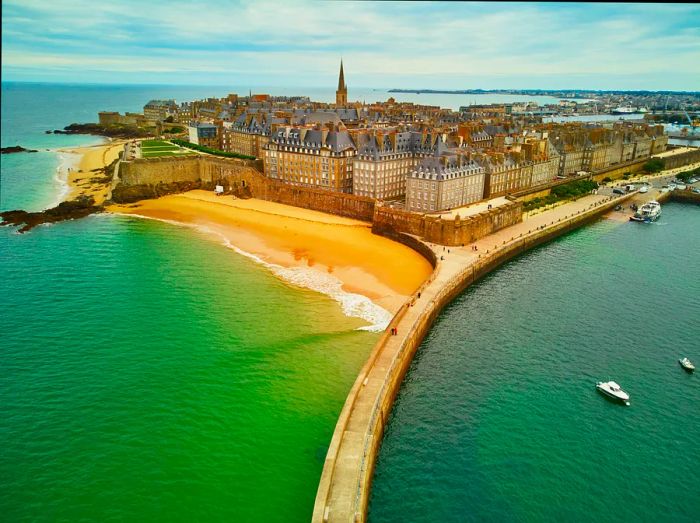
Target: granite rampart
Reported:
[(448, 231), (244, 179), (679, 160)]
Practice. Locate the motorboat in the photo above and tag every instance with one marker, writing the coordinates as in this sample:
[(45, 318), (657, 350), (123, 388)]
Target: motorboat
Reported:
[(686, 364), (614, 391), (648, 212)]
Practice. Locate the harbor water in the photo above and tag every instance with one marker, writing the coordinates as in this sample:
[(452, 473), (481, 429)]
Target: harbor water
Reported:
[(498, 418)]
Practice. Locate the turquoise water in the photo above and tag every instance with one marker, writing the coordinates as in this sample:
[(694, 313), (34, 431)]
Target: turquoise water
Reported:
[(498, 418), (147, 372)]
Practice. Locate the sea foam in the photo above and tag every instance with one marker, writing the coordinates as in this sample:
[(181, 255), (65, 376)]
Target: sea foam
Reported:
[(353, 305), (67, 161)]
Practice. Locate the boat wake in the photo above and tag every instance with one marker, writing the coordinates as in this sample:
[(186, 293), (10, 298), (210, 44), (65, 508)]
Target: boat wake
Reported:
[(353, 305)]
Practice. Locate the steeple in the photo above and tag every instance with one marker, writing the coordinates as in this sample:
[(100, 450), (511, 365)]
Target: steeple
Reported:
[(341, 95), (341, 78)]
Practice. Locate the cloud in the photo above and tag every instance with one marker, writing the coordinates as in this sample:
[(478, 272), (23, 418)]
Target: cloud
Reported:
[(433, 44)]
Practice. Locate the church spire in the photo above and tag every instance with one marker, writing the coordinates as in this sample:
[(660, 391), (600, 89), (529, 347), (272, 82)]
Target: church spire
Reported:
[(341, 78), (341, 95)]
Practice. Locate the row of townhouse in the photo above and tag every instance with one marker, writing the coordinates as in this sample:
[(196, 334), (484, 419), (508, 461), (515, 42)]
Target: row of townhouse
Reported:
[(593, 149)]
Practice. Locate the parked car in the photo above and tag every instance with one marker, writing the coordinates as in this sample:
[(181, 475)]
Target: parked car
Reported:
[(681, 187), (696, 190), (618, 190)]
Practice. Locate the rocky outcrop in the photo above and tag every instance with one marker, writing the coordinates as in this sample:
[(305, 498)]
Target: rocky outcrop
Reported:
[(133, 193), (78, 208), (16, 149), (112, 131)]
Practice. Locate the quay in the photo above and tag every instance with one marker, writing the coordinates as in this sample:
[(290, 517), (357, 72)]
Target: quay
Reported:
[(343, 491)]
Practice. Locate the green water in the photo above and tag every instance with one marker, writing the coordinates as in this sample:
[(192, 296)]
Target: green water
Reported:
[(498, 418), (150, 374)]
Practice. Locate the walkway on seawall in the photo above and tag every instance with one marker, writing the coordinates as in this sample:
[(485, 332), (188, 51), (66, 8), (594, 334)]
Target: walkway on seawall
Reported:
[(343, 491)]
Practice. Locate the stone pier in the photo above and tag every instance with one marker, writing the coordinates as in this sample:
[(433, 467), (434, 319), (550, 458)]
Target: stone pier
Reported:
[(344, 487)]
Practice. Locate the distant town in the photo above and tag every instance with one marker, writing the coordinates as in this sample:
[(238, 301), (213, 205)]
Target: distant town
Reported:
[(420, 158)]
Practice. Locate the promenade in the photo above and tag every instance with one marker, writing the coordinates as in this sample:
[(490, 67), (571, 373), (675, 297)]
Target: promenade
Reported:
[(347, 474)]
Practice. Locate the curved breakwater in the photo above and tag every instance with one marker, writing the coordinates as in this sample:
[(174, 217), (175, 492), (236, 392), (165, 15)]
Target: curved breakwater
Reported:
[(343, 491)]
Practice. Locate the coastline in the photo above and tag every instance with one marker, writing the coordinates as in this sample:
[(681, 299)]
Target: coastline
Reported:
[(370, 276), (82, 168)]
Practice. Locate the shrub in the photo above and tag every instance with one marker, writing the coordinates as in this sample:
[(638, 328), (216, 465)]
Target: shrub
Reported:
[(654, 165), (215, 152)]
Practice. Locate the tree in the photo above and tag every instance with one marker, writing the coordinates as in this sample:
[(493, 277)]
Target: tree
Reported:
[(654, 165)]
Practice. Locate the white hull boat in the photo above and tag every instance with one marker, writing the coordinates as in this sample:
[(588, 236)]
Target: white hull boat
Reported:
[(613, 391), (647, 213), (686, 364)]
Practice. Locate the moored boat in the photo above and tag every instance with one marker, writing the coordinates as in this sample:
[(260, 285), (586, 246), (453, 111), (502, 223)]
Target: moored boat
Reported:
[(614, 391), (649, 212), (686, 364)]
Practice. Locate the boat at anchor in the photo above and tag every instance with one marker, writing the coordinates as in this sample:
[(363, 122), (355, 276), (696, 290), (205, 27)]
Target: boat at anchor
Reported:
[(614, 391)]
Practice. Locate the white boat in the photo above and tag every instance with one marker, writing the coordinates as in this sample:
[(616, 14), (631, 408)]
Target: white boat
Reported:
[(625, 110), (614, 391), (686, 364), (648, 212)]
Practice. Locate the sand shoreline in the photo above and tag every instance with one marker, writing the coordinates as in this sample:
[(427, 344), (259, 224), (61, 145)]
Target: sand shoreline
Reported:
[(84, 175), (370, 276), (307, 248)]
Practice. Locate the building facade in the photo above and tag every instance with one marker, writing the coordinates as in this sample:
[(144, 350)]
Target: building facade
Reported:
[(444, 182), (320, 157)]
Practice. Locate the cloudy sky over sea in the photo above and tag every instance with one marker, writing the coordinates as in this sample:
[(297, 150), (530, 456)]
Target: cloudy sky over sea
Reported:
[(385, 44)]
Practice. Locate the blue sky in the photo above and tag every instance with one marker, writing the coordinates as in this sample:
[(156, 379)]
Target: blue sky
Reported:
[(384, 44)]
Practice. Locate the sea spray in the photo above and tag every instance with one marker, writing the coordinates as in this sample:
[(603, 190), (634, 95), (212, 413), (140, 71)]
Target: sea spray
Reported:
[(353, 305)]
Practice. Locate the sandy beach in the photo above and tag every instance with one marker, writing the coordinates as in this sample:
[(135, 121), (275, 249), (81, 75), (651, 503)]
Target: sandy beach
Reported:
[(87, 179), (384, 271)]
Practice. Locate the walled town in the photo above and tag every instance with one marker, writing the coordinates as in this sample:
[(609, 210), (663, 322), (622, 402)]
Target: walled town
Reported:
[(423, 168)]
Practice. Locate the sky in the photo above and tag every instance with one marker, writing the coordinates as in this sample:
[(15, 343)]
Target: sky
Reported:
[(383, 45)]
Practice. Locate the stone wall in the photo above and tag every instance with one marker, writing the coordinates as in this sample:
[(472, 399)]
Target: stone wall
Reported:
[(243, 178), (449, 231), (159, 170), (615, 172), (679, 160)]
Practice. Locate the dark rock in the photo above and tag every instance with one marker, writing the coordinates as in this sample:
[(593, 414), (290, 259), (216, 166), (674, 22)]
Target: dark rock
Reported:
[(133, 193), (16, 149), (112, 131), (78, 208)]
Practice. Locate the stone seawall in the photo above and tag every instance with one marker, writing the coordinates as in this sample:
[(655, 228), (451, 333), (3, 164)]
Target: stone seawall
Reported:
[(681, 159), (244, 178), (686, 196), (449, 231), (345, 483)]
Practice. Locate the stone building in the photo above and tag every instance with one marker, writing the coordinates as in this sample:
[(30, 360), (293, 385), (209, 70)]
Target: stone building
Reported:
[(385, 158), (444, 182), (320, 157), (249, 133), (204, 134), (159, 110)]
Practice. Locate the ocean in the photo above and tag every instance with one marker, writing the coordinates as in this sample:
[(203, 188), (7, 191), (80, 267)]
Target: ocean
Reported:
[(148, 371), (498, 418)]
